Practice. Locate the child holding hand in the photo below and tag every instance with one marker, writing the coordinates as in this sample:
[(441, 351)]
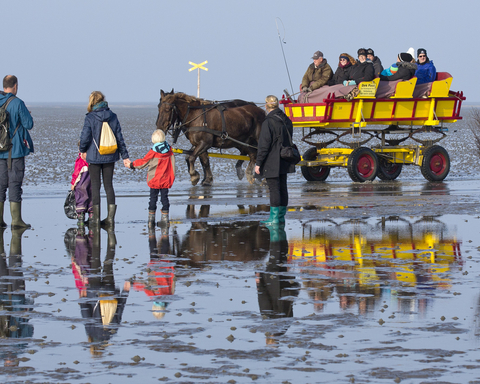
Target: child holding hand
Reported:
[(83, 189), (160, 175)]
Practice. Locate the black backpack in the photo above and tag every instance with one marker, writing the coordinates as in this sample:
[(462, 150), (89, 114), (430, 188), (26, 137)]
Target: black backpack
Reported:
[(5, 139)]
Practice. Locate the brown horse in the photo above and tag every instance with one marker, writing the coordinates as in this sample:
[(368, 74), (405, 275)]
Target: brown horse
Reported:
[(234, 124)]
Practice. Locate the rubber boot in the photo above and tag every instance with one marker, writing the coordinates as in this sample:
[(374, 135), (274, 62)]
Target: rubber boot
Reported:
[(16, 242), (94, 219), (16, 211), (164, 221), (2, 223), (109, 221), (277, 233), (151, 219), (2, 245), (281, 214), (274, 215), (81, 219)]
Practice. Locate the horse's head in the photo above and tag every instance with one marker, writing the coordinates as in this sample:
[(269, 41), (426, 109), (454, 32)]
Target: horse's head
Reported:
[(167, 111)]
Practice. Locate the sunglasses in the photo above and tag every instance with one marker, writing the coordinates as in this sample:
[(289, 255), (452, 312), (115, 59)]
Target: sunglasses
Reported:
[(422, 55)]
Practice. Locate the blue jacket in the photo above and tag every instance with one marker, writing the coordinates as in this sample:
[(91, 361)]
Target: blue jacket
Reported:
[(426, 73), (92, 129), (22, 143)]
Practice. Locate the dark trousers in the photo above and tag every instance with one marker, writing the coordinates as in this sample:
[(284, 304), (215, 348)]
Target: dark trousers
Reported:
[(152, 205), (106, 170), (278, 190), (12, 179), (83, 194)]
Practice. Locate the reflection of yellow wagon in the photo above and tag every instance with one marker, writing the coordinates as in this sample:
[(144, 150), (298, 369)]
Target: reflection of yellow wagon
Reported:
[(406, 117)]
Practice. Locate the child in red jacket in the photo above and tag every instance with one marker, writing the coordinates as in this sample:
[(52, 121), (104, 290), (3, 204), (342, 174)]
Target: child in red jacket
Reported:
[(160, 175), (83, 189)]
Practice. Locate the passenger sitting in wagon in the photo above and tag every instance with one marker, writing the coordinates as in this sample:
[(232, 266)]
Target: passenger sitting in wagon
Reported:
[(362, 71), (345, 65), (426, 71), (377, 63), (406, 69), (318, 73)]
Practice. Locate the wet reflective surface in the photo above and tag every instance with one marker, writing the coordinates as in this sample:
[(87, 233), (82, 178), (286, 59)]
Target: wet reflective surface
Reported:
[(217, 297)]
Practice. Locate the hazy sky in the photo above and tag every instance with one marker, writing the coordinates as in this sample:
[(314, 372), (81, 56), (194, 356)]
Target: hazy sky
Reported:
[(62, 50)]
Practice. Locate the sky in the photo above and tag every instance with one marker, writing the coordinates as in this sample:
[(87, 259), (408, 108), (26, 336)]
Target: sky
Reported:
[(62, 50)]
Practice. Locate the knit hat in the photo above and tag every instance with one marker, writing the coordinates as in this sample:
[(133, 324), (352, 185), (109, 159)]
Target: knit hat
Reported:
[(344, 57), (370, 52), (393, 69), (421, 51), (407, 57), (411, 51), (317, 55), (362, 51)]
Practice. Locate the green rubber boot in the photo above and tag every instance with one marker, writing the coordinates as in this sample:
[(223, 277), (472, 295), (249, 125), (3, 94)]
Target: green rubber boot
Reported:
[(274, 216), (16, 211), (281, 214), (277, 233), (151, 219)]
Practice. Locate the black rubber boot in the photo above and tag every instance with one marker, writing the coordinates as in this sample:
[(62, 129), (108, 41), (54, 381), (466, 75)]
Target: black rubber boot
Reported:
[(94, 219), (151, 219), (2, 223), (16, 211), (109, 221), (164, 221)]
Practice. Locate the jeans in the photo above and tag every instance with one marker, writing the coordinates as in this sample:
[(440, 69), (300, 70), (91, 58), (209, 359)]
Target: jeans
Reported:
[(278, 190), (12, 179), (107, 174), (152, 205)]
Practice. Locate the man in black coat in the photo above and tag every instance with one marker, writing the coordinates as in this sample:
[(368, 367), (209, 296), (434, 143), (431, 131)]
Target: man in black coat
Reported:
[(277, 131)]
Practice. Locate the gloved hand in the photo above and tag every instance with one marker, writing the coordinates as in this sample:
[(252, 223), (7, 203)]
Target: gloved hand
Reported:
[(345, 82), (352, 82), (309, 90), (304, 89)]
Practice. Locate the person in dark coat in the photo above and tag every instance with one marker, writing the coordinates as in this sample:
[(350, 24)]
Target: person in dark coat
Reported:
[(277, 130), (345, 65), (98, 112), (406, 69), (377, 63), (363, 70), (426, 71)]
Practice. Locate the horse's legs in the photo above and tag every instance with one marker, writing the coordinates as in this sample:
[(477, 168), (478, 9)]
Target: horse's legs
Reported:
[(238, 166), (207, 171), (199, 149)]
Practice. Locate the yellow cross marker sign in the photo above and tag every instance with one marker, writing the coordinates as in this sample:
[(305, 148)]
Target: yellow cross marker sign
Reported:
[(198, 66)]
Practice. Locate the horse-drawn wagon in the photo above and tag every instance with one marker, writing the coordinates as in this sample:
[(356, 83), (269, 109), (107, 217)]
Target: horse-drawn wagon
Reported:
[(405, 111)]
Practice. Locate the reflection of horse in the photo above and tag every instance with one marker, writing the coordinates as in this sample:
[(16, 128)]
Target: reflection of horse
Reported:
[(234, 124), (236, 241)]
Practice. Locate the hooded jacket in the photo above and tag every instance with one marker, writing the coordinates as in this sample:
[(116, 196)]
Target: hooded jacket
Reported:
[(161, 167), (22, 143), (91, 131), (426, 72), (405, 71), (341, 74), (272, 136), (317, 77)]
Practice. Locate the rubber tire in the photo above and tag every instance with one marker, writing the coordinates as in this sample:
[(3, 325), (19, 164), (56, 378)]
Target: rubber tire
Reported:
[(362, 165), (388, 171), (313, 173), (436, 163)]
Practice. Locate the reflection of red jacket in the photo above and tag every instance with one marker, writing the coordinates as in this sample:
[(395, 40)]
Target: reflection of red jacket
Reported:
[(163, 275), (161, 172)]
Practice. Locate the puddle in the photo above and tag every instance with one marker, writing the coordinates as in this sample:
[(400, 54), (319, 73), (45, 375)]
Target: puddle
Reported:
[(216, 297)]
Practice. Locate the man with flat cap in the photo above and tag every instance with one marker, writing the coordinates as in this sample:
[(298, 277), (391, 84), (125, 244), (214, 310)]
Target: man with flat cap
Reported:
[(318, 73)]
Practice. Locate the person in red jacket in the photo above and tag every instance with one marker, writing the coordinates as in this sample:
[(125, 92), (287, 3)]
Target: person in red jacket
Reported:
[(160, 175)]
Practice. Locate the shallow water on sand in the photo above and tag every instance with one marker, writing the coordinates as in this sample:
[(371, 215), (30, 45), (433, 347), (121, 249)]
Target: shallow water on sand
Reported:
[(374, 282), (217, 297)]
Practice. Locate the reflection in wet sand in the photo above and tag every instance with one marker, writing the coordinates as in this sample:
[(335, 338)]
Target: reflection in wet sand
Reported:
[(101, 302), (362, 266), (14, 304)]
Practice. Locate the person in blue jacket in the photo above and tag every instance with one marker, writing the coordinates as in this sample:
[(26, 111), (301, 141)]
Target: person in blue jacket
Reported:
[(98, 112), (12, 162), (426, 71)]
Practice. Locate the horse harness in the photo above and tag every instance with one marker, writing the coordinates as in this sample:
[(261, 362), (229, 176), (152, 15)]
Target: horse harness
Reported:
[(180, 127)]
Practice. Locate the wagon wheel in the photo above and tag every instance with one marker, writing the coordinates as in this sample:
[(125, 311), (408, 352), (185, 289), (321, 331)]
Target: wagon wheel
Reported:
[(436, 163), (387, 170), (362, 164), (314, 173)]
